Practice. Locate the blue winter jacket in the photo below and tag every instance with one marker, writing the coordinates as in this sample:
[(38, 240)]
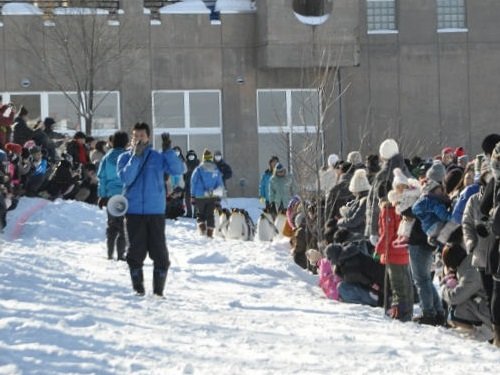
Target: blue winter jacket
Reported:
[(41, 169), (147, 195), (206, 177), (109, 182), (430, 209), (458, 210), (264, 185)]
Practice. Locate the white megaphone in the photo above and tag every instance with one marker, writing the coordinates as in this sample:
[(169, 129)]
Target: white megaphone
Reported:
[(117, 205)]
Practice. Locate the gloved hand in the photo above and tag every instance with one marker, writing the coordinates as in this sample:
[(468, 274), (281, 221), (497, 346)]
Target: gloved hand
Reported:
[(102, 202), (451, 283), (166, 142), (376, 257), (139, 148), (262, 200), (374, 239), (482, 227)]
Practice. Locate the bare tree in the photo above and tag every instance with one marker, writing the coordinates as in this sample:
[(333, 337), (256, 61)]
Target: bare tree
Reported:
[(79, 55)]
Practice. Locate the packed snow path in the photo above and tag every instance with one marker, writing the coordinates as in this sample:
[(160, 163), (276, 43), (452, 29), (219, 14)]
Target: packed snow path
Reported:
[(231, 308)]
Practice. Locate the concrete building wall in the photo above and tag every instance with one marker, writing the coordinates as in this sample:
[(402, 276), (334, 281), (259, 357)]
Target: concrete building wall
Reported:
[(425, 88)]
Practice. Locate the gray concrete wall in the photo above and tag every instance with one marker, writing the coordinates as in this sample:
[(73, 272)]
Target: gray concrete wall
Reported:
[(425, 88)]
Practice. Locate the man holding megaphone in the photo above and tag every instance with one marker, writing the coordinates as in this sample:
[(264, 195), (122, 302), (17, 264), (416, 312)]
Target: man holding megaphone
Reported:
[(142, 170)]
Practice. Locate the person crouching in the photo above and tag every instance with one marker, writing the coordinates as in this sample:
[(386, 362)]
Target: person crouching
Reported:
[(206, 188)]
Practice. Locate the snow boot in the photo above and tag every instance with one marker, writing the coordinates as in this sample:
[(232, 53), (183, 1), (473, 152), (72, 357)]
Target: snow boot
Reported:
[(210, 232), (159, 279), (110, 244), (426, 319), (202, 227), (496, 339), (137, 281)]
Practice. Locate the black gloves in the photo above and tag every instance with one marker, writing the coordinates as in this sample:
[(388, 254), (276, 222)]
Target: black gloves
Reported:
[(166, 142), (139, 148)]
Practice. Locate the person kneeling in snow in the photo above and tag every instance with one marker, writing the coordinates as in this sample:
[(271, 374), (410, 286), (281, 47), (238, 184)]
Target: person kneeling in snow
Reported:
[(363, 278), (462, 289)]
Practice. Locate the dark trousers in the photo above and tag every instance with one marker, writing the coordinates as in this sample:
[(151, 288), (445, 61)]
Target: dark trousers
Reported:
[(189, 207), (146, 235), (206, 207), (115, 235)]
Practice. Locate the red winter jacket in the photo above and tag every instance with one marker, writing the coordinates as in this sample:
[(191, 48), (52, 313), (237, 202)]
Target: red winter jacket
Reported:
[(388, 223)]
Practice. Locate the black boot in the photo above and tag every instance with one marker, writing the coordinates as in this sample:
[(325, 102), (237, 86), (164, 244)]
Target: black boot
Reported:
[(120, 248), (137, 281), (110, 244), (159, 279), (496, 339)]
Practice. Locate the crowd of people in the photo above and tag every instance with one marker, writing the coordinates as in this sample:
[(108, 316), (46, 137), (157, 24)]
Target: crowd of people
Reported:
[(36, 161), (381, 231), (391, 231)]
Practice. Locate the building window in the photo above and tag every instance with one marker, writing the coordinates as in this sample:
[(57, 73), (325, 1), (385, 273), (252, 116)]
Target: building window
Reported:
[(61, 107), (451, 14), (193, 119), (286, 120), (381, 16)]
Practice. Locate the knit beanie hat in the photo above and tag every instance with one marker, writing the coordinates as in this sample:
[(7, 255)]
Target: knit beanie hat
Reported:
[(332, 160), (359, 182), (459, 151), (447, 150), (436, 172), (388, 149), (14, 148), (354, 158), (399, 178), (489, 143), (207, 155), (452, 179)]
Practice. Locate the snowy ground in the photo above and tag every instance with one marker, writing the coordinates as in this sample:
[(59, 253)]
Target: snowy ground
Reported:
[(231, 308)]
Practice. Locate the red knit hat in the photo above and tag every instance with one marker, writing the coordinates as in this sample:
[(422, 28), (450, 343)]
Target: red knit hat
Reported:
[(459, 151), (446, 150), (14, 148)]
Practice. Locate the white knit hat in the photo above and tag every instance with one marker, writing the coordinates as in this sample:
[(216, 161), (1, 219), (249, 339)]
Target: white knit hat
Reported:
[(399, 178), (388, 149), (332, 159), (359, 182), (355, 158)]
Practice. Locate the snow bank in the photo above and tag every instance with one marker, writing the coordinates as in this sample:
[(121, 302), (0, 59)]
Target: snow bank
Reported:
[(231, 307), (235, 6), (185, 7), (20, 9), (79, 11)]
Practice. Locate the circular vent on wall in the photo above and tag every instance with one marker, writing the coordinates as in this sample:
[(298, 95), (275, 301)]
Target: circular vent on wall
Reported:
[(312, 12)]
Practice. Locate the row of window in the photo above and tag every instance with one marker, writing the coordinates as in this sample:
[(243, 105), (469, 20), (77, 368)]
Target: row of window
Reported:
[(382, 15), (193, 117)]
